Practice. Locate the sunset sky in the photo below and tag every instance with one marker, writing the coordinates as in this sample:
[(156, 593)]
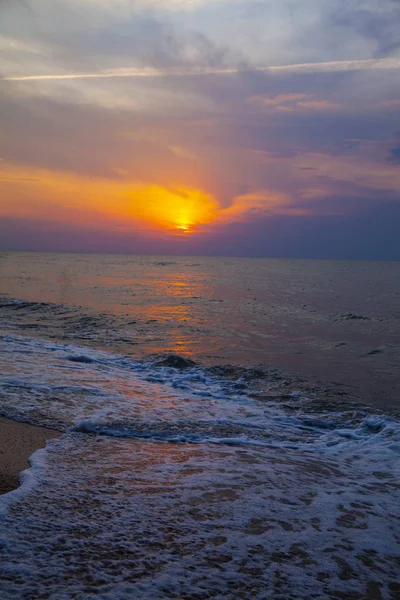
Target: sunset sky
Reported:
[(227, 127)]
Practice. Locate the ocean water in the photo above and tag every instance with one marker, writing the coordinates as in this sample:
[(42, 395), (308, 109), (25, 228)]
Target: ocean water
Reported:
[(263, 463)]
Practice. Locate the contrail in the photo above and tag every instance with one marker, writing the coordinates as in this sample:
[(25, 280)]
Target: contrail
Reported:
[(324, 67)]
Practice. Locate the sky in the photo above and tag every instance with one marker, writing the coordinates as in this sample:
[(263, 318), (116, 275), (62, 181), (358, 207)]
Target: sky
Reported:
[(208, 127)]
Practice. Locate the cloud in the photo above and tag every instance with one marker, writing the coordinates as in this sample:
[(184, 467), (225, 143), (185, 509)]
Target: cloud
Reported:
[(395, 154), (293, 102), (277, 100), (60, 39), (264, 114), (318, 105), (128, 6), (378, 22), (256, 204), (327, 67)]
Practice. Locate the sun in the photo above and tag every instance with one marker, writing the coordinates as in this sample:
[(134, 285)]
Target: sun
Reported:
[(176, 210), (184, 228)]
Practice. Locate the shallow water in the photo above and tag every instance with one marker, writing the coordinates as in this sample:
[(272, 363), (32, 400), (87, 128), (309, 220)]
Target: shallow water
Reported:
[(204, 481)]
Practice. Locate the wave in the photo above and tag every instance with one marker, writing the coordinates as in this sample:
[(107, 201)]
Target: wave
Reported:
[(192, 478), (377, 435), (174, 399), (59, 321), (171, 399)]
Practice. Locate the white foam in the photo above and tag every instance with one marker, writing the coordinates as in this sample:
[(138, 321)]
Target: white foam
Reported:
[(126, 518), (186, 485)]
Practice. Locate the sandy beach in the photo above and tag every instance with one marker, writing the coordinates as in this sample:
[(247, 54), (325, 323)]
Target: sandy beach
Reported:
[(18, 441)]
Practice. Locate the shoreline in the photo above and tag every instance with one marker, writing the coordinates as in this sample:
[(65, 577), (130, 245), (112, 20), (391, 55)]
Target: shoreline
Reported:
[(18, 441)]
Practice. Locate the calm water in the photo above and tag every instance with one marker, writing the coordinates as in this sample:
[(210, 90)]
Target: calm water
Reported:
[(209, 481)]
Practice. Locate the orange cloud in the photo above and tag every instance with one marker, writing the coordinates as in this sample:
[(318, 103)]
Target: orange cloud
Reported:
[(37, 194), (259, 202), (277, 100), (318, 105), (390, 103), (40, 194), (292, 102)]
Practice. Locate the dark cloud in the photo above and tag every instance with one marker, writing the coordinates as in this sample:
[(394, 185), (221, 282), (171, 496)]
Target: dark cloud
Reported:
[(372, 234), (376, 21), (77, 37), (394, 155)]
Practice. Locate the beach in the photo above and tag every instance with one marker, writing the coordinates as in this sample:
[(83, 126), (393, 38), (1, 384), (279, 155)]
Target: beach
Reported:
[(200, 300), (18, 441)]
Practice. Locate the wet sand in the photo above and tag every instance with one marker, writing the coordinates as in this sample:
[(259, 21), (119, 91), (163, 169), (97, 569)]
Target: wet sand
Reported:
[(18, 441)]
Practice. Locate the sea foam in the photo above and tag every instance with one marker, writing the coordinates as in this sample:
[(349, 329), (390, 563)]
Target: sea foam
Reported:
[(187, 483)]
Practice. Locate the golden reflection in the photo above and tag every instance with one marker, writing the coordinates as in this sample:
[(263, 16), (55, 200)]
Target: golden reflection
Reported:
[(174, 312)]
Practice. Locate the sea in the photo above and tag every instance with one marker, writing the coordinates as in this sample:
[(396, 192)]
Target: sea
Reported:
[(230, 427)]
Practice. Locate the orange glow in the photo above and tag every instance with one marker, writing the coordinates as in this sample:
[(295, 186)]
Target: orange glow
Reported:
[(125, 205), (180, 209), (40, 194)]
